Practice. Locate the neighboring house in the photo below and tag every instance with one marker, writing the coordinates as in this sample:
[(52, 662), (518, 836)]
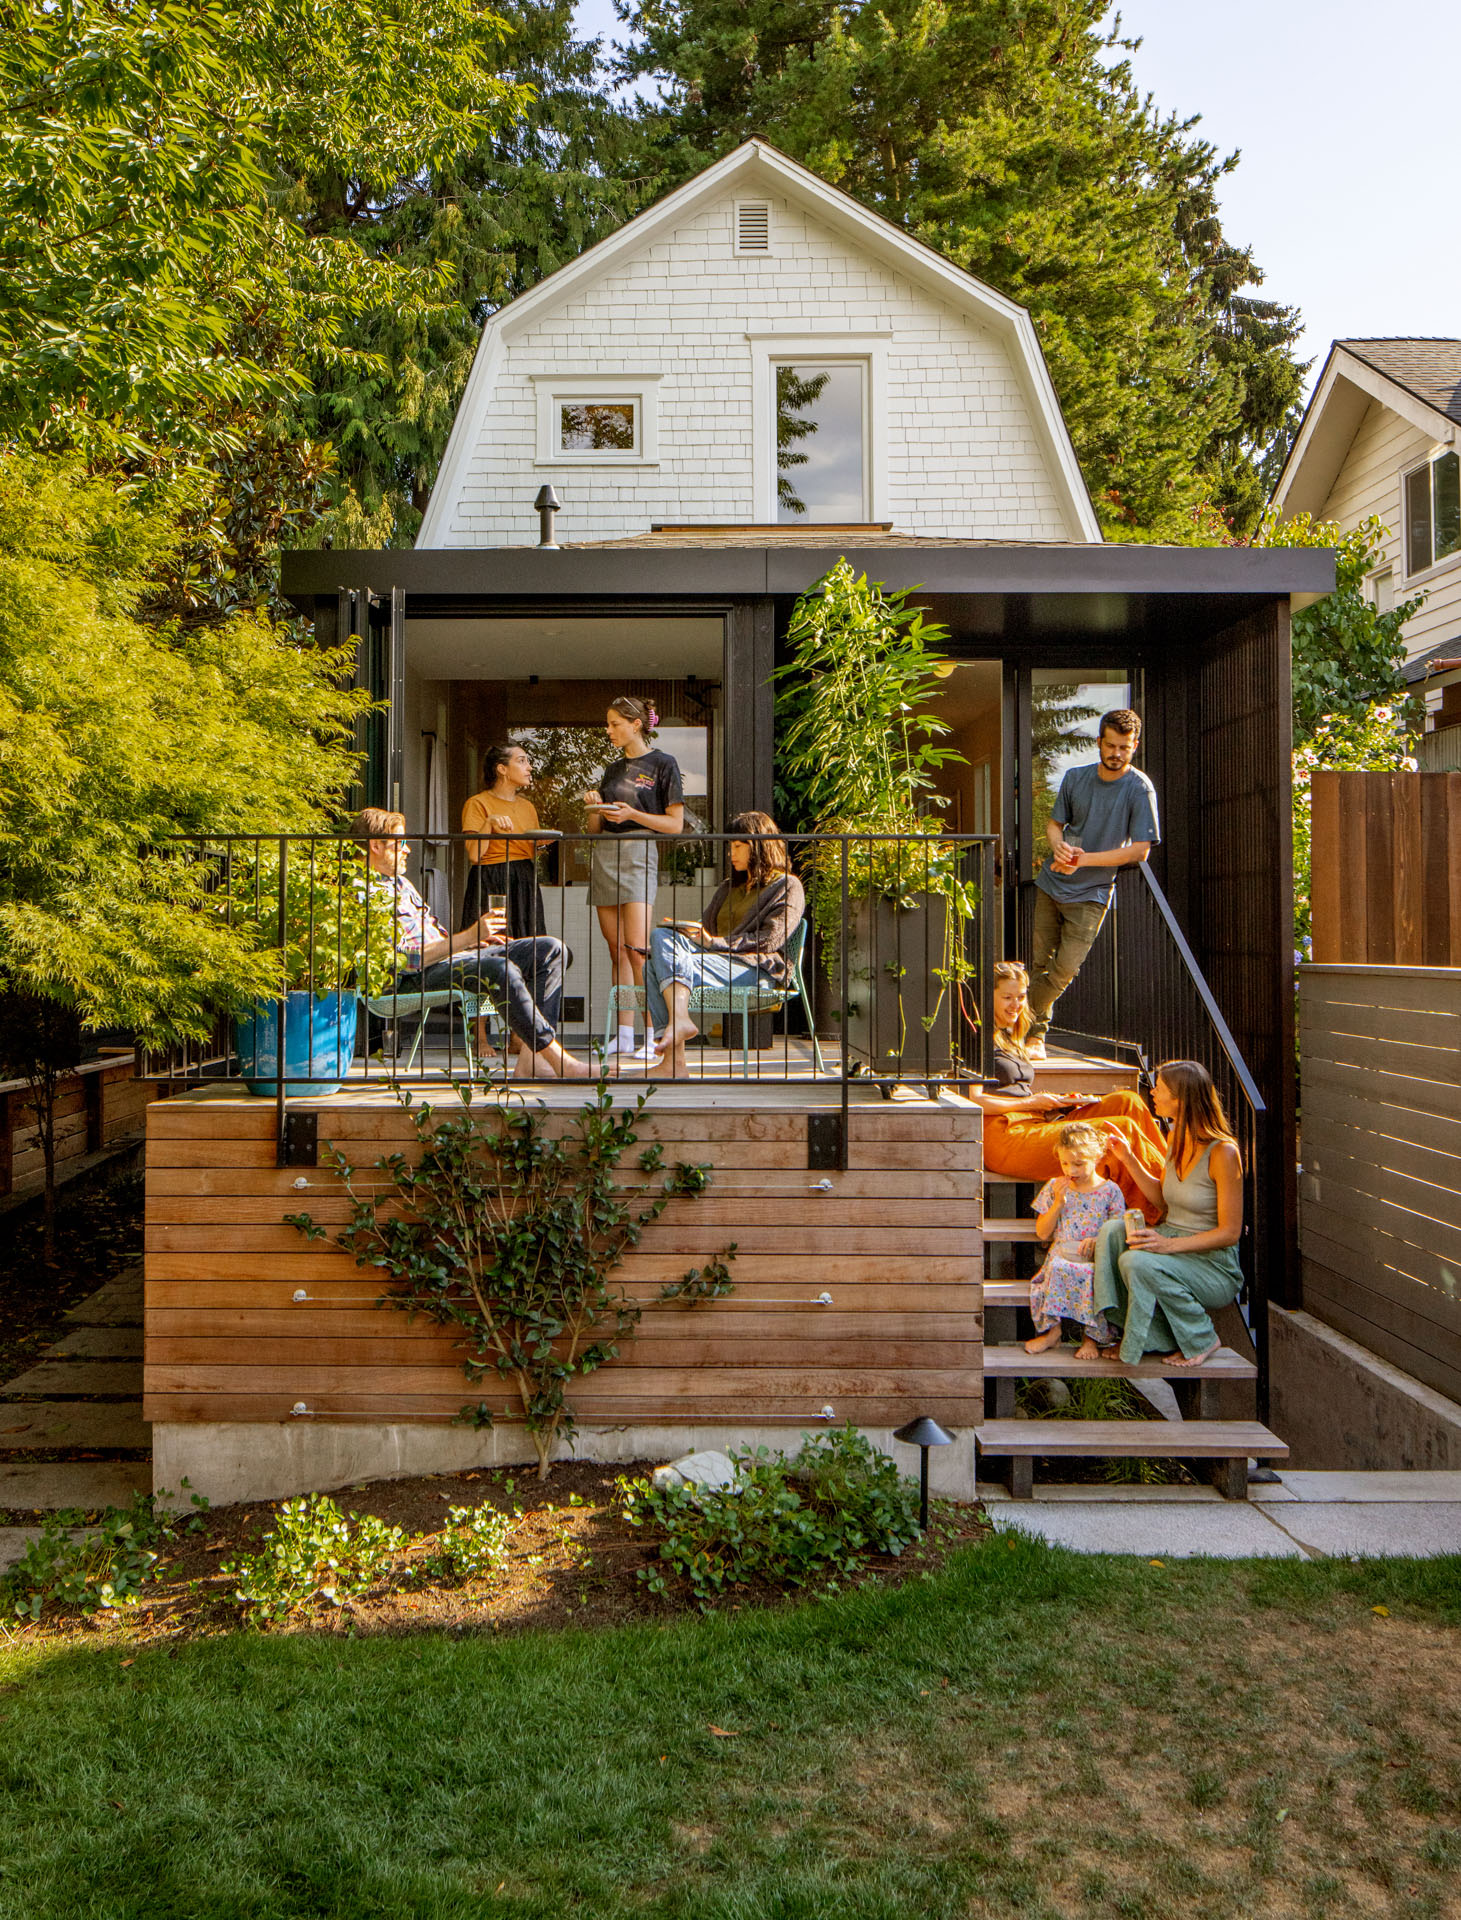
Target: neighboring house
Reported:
[(1382, 436), (758, 348)]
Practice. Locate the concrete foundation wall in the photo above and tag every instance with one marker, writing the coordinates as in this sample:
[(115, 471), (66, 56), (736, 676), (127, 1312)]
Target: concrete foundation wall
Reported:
[(1341, 1407), (236, 1461)]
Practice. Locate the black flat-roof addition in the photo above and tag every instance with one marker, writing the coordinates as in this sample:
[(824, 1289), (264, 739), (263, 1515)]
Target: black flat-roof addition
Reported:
[(456, 577)]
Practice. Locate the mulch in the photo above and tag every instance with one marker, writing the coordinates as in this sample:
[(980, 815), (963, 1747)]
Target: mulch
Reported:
[(574, 1561)]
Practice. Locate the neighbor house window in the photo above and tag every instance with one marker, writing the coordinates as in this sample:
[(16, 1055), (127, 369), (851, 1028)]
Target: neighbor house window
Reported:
[(597, 419), (1432, 512), (821, 442)]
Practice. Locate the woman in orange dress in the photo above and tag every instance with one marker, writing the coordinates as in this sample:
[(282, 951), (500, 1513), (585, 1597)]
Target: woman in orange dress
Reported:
[(1022, 1127)]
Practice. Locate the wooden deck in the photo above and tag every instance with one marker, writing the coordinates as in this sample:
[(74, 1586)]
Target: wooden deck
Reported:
[(857, 1293)]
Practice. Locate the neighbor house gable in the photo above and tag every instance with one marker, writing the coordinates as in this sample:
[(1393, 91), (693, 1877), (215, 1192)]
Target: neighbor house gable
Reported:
[(679, 326)]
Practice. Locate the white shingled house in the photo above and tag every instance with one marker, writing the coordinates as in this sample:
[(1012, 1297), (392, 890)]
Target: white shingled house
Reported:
[(1381, 437), (757, 349)]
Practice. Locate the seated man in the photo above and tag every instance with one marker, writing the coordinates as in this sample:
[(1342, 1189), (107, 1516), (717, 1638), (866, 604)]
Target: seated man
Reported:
[(523, 978)]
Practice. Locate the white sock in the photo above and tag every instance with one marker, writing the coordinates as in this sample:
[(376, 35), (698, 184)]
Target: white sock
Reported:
[(626, 1039)]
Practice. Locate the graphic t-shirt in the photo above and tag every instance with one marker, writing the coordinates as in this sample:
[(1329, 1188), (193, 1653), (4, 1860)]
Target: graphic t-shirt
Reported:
[(651, 783), (1102, 815)]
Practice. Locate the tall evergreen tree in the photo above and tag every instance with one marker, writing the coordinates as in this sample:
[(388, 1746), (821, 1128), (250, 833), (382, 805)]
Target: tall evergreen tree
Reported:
[(1010, 136)]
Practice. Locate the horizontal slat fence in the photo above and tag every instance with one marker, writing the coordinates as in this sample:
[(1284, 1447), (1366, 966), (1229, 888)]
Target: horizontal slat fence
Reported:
[(895, 1242), (1385, 871), (98, 1106), (1380, 1197)]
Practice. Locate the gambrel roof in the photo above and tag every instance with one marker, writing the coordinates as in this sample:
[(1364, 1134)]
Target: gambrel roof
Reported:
[(1418, 379), (757, 168)]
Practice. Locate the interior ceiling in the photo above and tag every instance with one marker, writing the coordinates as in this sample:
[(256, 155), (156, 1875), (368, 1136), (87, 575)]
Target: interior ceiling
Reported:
[(554, 647)]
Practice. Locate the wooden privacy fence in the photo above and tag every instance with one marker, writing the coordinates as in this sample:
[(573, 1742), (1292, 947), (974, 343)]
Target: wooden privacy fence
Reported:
[(1385, 873), (1380, 1194)]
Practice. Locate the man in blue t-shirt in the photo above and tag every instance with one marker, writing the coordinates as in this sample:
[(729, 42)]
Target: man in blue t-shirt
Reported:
[(1105, 817)]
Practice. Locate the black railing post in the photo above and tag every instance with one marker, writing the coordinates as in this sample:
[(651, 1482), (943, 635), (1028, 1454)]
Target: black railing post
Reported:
[(988, 907)]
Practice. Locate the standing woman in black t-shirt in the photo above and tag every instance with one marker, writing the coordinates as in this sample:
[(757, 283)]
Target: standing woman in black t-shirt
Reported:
[(639, 796)]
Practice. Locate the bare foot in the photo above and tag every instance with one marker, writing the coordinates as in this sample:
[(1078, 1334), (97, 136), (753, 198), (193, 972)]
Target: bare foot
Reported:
[(1088, 1350), (1035, 1049), (671, 1066), (1195, 1360), (1042, 1342)]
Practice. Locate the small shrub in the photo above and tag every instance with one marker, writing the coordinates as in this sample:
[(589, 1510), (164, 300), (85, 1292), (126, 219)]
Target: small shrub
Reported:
[(471, 1546), (314, 1552), (812, 1521), (91, 1565)]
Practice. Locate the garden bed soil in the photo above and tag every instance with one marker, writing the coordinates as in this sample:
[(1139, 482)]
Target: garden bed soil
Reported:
[(574, 1561)]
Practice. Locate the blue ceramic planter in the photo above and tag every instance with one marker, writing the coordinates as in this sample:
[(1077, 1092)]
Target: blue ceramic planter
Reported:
[(319, 1043)]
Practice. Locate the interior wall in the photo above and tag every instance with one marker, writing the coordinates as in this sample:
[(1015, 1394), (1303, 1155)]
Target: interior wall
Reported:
[(969, 704), (483, 712)]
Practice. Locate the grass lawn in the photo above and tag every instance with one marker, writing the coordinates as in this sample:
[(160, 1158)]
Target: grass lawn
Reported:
[(1026, 1733)]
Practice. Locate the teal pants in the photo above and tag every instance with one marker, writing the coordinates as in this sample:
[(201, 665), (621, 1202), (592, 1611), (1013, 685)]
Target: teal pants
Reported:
[(1163, 1302)]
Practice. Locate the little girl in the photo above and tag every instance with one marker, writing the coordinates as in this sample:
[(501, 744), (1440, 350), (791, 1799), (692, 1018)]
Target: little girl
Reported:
[(1071, 1211)]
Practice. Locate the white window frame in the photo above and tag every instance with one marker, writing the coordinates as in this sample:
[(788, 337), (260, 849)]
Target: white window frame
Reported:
[(1446, 560), (771, 349), (552, 389)]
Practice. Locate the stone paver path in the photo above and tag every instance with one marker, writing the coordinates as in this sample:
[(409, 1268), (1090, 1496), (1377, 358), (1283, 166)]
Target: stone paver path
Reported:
[(1301, 1515)]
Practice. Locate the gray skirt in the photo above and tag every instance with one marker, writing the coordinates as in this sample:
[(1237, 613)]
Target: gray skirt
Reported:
[(625, 870)]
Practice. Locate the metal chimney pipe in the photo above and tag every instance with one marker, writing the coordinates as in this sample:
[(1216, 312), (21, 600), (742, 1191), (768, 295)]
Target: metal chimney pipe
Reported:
[(547, 504)]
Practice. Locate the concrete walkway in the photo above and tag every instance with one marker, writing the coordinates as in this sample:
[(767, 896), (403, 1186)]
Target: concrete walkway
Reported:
[(1301, 1516)]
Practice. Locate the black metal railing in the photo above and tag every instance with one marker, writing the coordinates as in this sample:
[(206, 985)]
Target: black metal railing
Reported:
[(885, 979), (1141, 997)]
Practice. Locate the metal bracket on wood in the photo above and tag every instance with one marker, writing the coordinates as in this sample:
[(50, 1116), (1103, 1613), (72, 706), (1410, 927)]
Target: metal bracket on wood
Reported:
[(300, 1145), (824, 1140)]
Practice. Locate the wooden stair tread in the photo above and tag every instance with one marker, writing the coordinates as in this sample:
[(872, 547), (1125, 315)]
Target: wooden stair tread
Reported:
[(1132, 1439), (1060, 1363), (1008, 1229), (1006, 1293)]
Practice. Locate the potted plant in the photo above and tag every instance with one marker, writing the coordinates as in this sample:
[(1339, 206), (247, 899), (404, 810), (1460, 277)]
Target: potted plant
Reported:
[(337, 944), (856, 744)]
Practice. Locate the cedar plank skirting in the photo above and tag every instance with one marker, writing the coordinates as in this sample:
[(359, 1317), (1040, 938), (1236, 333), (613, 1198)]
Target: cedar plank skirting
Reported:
[(99, 1105), (896, 1243)]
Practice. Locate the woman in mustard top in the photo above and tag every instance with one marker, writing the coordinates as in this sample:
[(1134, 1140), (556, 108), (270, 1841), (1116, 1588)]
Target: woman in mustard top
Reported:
[(502, 864)]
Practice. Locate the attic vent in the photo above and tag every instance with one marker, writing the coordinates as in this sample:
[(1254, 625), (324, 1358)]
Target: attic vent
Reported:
[(753, 226)]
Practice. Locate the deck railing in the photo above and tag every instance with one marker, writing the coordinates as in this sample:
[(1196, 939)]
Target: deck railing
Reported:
[(896, 960), (1141, 997)]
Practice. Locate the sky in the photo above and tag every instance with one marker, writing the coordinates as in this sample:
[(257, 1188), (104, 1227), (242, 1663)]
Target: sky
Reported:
[(1345, 116)]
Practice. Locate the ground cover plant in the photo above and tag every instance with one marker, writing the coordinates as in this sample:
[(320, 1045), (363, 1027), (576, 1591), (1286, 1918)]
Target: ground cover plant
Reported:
[(1026, 1733), (814, 1519)]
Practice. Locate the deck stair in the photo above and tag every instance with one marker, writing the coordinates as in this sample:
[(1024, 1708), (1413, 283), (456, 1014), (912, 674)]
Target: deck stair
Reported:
[(1204, 1442)]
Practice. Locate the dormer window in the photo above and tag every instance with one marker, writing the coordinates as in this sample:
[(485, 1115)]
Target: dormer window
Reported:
[(753, 226)]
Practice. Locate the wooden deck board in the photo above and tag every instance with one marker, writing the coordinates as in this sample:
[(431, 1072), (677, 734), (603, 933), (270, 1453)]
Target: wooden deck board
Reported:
[(893, 1244)]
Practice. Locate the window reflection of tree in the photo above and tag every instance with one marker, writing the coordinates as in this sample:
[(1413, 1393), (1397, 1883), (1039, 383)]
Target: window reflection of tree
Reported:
[(590, 428), (1060, 722), (793, 395), (567, 762)]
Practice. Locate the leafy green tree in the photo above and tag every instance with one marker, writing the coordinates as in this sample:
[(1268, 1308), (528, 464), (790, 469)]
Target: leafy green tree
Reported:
[(1010, 136), (1347, 655), (116, 734)]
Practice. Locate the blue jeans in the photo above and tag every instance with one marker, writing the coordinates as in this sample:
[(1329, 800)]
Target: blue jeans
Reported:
[(672, 959), (523, 981)]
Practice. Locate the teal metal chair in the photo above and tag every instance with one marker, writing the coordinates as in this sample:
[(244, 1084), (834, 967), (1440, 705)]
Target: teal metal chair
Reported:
[(743, 1000), (396, 1007)]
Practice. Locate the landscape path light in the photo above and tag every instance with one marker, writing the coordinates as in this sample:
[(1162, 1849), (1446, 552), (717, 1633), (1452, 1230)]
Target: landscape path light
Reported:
[(923, 1433)]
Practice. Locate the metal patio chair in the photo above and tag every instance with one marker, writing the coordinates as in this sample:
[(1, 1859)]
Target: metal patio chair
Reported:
[(396, 1007), (744, 1000)]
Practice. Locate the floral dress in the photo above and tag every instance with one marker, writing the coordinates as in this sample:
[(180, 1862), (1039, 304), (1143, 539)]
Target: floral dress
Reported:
[(1063, 1289)]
